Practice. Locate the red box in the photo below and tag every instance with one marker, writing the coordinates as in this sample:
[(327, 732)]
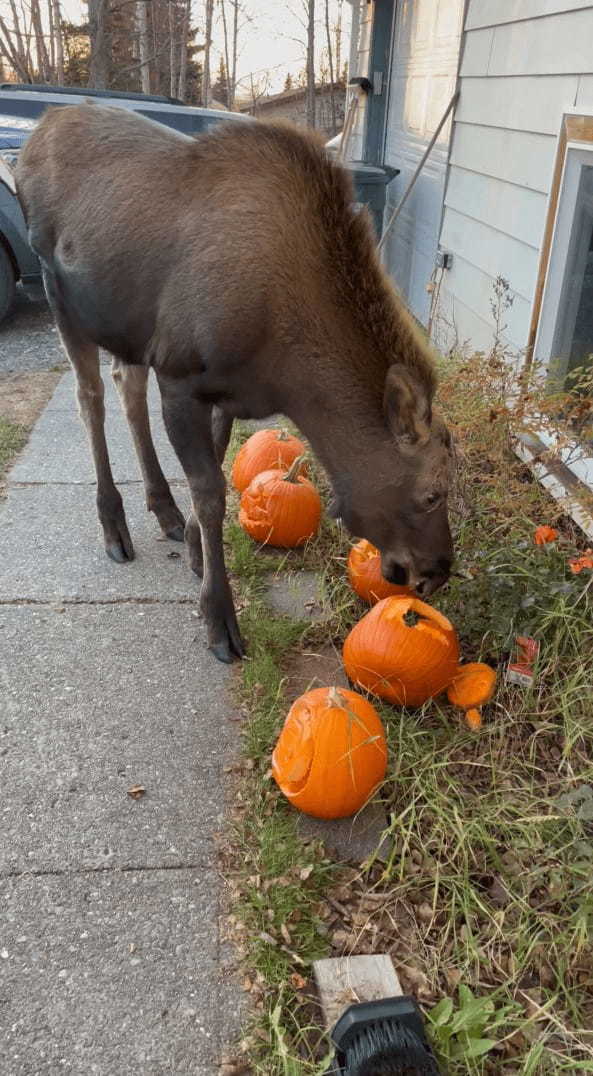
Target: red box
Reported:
[(521, 665)]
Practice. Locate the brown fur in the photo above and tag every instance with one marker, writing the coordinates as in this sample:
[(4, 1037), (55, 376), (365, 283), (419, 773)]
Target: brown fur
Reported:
[(235, 265)]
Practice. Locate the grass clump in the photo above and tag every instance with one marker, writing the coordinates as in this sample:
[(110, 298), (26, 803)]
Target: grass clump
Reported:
[(12, 439)]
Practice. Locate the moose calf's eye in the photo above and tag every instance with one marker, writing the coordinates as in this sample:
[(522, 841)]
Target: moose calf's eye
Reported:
[(432, 500)]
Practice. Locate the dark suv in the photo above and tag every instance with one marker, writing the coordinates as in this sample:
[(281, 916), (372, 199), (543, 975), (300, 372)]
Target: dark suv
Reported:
[(20, 108)]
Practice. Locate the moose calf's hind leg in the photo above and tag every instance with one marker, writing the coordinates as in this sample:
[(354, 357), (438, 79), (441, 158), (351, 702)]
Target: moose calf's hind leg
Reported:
[(84, 357), (189, 426), (132, 383)]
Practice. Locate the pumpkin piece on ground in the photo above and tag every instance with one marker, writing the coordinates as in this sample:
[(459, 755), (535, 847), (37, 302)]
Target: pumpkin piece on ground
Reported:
[(472, 685), (364, 574), (281, 509), (403, 650), (265, 450), (331, 754)]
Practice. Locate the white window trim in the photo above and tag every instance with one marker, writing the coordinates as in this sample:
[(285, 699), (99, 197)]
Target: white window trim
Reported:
[(576, 462)]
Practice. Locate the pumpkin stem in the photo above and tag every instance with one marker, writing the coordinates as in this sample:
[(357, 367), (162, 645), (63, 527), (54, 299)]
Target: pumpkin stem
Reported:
[(411, 618), (293, 472), (282, 435), (473, 719), (335, 699)]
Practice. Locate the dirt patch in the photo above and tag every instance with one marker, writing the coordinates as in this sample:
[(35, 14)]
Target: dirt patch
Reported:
[(23, 396), (319, 667)]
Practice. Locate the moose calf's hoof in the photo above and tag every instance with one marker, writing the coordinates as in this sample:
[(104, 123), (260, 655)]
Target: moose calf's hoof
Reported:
[(116, 551), (176, 534)]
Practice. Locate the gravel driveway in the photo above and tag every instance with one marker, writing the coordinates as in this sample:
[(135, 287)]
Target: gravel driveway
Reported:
[(29, 341)]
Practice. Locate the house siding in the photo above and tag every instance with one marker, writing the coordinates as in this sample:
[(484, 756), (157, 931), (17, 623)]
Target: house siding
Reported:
[(525, 63), (423, 75)]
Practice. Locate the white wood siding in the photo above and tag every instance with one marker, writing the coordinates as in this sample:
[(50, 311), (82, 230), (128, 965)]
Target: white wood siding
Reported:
[(496, 12), (423, 75), (525, 63)]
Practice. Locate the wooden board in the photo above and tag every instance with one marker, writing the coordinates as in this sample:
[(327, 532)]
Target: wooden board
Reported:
[(346, 980)]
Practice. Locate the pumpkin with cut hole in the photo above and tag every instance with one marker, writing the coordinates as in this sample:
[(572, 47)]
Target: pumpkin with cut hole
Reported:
[(266, 450), (331, 754), (403, 650), (281, 509), (364, 574)]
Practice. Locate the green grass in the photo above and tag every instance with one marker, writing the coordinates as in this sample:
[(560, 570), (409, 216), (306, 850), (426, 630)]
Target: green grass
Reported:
[(485, 898), (12, 439)]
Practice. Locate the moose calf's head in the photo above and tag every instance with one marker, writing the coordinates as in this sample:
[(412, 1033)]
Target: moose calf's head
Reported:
[(397, 495)]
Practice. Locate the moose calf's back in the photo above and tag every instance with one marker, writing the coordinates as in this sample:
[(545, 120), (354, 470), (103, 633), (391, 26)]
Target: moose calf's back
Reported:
[(178, 246)]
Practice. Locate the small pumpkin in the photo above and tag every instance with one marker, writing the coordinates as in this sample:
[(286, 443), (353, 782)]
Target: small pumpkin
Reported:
[(364, 574), (281, 509), (265, 450), (472, 686), (331, 754), (403, 650)]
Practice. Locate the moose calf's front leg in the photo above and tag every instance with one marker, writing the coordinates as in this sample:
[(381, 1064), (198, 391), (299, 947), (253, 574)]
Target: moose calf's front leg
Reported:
[(189, 426)]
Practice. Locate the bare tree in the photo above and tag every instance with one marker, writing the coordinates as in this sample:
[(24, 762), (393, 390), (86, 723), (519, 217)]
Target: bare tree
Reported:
[(258, 83), (310, 96), (100, 61), (54, 6), (338, 34), (209, 11), (10, 51), (330, 60), (182, 84), (172, 62), (143, 45), (231, 37), (15, 43)]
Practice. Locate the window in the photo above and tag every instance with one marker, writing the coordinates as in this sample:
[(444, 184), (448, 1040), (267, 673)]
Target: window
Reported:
[(565, 337), (562, 324)]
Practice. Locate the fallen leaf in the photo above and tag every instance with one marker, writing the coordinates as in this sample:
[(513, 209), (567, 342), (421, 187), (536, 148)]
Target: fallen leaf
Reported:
[(267, 938), (305, 873), (297, 981), (136, 792)]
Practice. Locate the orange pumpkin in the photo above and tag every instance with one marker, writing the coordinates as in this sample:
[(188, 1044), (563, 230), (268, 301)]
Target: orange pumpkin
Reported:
[(472, 686), (331, 754), (364, 573), (265, 450), (281, 509), (403, 650)]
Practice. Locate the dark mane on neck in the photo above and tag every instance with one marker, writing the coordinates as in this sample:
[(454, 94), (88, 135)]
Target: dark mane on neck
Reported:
[(351, 247), (318, 195)]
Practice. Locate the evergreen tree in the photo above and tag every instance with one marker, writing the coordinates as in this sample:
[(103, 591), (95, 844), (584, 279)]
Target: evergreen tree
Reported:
[(220, 89)]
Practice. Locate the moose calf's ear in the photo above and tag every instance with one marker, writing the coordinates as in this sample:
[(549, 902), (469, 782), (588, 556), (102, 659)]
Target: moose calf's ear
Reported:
[(406, 405)]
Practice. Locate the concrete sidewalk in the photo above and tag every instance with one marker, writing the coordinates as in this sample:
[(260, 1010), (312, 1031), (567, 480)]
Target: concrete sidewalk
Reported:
[(110, 953)]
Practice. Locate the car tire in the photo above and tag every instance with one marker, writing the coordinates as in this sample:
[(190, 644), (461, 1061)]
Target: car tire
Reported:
[(7, 283)]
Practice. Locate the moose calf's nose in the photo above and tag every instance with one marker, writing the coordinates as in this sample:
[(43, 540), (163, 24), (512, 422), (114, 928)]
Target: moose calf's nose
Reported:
[(395, 573)]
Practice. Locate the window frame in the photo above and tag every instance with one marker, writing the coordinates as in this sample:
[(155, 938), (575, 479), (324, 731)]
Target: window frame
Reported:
[(576, 134)]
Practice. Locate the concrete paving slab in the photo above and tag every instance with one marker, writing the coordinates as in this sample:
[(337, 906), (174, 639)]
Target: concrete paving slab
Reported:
[(95, 700), (59, 451), (108, 973), (297, 595), (51, 549), (64, 398), (350, 840)]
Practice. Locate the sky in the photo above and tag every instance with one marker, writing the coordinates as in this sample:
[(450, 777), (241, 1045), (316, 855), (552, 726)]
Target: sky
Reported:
[(267, 38)]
